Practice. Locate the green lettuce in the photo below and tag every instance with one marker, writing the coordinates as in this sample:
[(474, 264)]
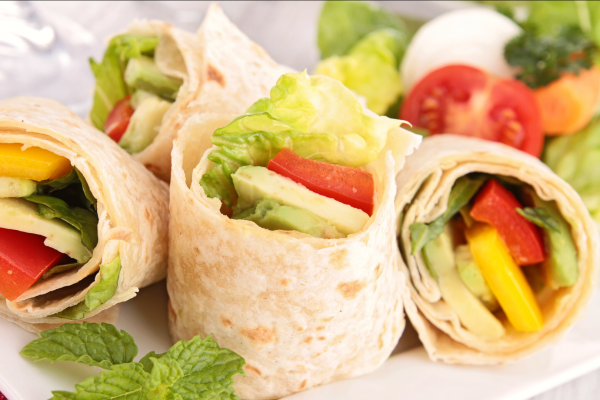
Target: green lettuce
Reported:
[(315, 116), (461, 194), (196, 369), (85, 221), (98, 294), (109, 74), (576, 159), (343, 23), (370, 68)]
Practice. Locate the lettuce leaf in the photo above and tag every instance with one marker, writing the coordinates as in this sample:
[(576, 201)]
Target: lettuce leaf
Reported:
[(576, 159), (110, 83), (84, 220), (315, 116), (98, 294), (92, 344), (343, 23), (462, 192), (370, 68), (540, 217)]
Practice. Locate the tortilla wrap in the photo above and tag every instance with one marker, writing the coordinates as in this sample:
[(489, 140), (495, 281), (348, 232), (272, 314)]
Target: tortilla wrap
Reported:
[(425, 184), (302, 311), (222, 71), (132, 209)]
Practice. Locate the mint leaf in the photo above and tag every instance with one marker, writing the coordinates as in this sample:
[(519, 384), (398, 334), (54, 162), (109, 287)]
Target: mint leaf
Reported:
[(213, 382), (196, 354), (165, 372), (540, 217), (92, 344), (98, 294), (462, 192), (147, 362), (122, 382)]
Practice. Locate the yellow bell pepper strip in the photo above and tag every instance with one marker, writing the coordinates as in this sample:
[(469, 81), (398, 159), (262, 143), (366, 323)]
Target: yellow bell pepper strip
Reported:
[(33, 163), (473, 315), (505, 278)]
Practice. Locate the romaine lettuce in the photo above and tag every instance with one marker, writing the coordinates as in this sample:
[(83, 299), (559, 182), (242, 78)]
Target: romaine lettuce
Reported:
[(315, 116), (343, 23), (110, 84), (576, 159), (370, 68)]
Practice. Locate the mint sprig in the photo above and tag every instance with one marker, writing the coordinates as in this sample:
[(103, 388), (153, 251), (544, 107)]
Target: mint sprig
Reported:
[(92, 344), (196, 369)]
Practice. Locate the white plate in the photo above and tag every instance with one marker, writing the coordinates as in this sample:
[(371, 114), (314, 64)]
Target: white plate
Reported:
[(408, 374)]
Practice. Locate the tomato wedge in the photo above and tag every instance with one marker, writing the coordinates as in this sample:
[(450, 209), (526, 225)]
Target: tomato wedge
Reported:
[(23, 260), (497, 206), (348, 185), (467, 101), (118, 119)]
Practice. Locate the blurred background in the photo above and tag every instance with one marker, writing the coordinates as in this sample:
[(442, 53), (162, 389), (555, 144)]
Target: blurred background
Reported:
[(45, 45)]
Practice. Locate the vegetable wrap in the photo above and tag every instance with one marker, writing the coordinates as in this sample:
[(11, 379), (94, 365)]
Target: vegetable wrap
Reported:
[(83, 225), (304, 305), (153, 77), (501, 254)]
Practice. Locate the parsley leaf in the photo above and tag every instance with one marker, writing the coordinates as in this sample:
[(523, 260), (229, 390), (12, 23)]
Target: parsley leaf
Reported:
[(542, 59)]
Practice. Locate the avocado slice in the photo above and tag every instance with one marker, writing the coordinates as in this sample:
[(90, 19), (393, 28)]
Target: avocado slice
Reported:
[(16, 187), (269, 214), (560, 266), (253, 184), (471, 276), (22, 215), (143, 74), (145, 123), (473, 315)]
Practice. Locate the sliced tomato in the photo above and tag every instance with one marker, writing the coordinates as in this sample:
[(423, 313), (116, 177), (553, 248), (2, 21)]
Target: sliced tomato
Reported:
[(349, 185), (467, 101), (118, 119), (23, 260), (497, 206)]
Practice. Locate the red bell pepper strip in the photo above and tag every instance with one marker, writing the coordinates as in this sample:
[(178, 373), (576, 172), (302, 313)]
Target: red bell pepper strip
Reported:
[(118, 119), (23, 260), (497, 206), (348, 185)]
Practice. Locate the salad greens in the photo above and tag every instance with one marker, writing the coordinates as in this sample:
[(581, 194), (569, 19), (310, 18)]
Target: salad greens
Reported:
[(362, 46), (370, 68), (315, 116), (98, 294), (196, 369), (540, 217), (462, 192), (109, 74), (343, 23), (576, 159)]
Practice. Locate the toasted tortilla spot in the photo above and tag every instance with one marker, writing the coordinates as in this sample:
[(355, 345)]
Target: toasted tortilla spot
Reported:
[(320, 328), (321, 337), (338, 259), (327, 319), (350, 289), (226, 322), (252, 370), (214, 74), (302, 385), (262, 334), (307, 340), (285, 282)]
